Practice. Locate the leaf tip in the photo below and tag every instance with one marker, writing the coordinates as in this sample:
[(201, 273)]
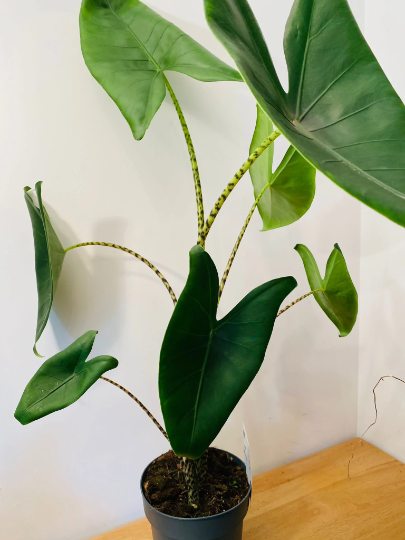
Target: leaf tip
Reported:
[(19, 418), (138, 135), (36, 352)]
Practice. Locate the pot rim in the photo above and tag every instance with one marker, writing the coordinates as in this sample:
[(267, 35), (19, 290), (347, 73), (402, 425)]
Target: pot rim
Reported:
[(247, 496)]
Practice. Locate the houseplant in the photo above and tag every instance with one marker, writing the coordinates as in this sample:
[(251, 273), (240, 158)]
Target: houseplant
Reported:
[(352, 133)]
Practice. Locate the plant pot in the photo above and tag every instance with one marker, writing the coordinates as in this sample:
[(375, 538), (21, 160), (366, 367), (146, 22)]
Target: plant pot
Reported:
[(225, 526)]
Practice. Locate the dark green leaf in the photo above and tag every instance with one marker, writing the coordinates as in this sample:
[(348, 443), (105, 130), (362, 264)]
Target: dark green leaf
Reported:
[(292, 186), (128, 47), (338, 298), (207, 365), (341, 111), (62, 380), (49, 257)]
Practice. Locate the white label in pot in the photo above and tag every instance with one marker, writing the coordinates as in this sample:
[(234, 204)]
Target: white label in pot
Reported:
[(246, 455)]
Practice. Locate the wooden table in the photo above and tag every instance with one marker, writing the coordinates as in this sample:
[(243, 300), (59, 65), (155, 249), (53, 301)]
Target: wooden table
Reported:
[(352, 491)]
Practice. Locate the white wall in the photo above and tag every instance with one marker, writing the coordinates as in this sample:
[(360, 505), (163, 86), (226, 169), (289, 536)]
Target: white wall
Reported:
[(382, 289), (75, 474)]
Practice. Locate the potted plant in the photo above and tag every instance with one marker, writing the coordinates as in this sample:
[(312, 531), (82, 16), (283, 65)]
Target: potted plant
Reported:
[(341, 116)]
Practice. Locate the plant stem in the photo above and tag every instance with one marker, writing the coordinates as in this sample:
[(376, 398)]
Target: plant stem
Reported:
[(139, 257), (298, 300), (193, 160), (195, 471), (142, 406), (235, 180), (239, 240)]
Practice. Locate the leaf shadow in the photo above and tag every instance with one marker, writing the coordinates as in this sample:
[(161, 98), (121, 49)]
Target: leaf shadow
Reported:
[(90, 288)]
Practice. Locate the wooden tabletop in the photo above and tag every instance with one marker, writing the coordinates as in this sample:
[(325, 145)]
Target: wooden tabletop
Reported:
[(352, 491)]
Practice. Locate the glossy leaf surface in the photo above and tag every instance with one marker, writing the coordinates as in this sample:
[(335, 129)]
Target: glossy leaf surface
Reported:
[(62, 380), (207, 365), (128, 47), (292, 185), (340, 112), (49, 257), (338, 298)]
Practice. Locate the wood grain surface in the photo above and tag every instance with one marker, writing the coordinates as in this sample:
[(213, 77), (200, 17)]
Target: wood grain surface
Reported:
[(352, 491)]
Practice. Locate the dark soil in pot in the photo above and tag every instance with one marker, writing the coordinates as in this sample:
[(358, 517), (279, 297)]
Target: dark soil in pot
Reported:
[(225, 486)]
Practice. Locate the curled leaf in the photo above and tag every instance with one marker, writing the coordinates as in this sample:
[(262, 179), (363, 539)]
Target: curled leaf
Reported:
[(291, 187), (49, 257), (338, 296)]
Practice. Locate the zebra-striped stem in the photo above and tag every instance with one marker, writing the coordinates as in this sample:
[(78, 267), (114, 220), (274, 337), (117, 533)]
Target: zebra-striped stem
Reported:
[(142, 406), (139, 257), (235, 180), (193, 160), (238, 242), (298, 300), (195, 471)]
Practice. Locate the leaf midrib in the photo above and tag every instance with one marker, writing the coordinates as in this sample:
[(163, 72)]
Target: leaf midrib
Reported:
[(200, 385), (304, 64), (339, 157), (141, 45), (66, 381)]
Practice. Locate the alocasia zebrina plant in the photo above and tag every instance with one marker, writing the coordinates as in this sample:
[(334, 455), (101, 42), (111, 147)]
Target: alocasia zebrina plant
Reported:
[(341, 116)]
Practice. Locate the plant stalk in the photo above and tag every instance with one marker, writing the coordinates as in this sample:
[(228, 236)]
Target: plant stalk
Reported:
[(142, 406), (298, 300), (194, 164), (195, 471), (139, 257), (235, 180), (239, 240)]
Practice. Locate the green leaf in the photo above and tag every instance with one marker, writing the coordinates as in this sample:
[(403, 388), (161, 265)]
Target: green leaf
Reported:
[(207, 365), (292, 186), (128, 47), (62, 380), (340, 112), (49, 257), (338, 298)]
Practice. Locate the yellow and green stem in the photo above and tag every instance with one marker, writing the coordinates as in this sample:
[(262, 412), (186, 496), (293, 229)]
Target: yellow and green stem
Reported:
[(195, 471), (193, 160), (298, 300), (238, 241), (142, 406), (134, 254), (235, 180)]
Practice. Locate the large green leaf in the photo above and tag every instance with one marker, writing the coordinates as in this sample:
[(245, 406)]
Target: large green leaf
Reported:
[(128, 47), (338, 298), (207, 365), (292, 186), (62, 380), (341, 111), (49, 257)]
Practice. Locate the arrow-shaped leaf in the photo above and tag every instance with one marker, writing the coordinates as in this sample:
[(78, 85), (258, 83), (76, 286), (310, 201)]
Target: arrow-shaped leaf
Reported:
[(49, 257), (207, 365), (62, 380), (341, 112), (338, 297), (128, 47), (292, 185)]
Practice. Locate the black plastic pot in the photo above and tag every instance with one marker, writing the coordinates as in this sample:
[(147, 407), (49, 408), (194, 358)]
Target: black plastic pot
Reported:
[(225, 526)]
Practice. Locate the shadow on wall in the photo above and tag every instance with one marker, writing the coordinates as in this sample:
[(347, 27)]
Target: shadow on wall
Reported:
[(91, 286), (95, 282)]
